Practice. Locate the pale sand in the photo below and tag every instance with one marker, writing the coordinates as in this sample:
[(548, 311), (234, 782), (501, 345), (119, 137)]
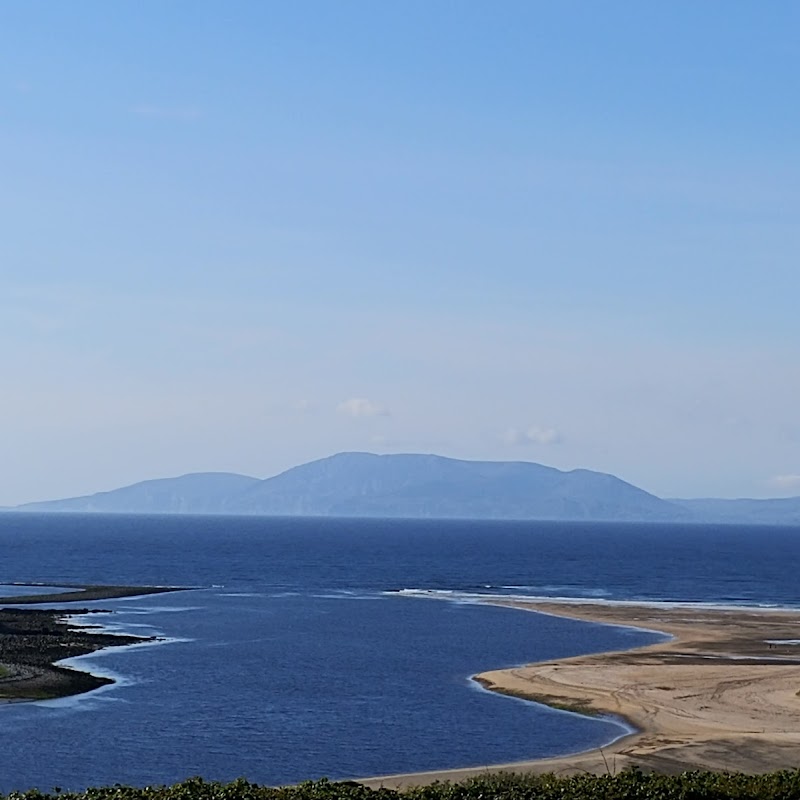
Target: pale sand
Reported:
[(715, 697)]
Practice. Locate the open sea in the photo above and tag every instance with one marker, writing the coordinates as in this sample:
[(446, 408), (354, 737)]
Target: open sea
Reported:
[(344, 648)]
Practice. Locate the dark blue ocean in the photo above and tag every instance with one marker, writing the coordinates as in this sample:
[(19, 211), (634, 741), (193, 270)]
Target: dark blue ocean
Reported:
[(297, 656)]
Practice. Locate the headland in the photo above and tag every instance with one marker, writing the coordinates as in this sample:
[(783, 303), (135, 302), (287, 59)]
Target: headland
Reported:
[(722, 694), (32, 641)]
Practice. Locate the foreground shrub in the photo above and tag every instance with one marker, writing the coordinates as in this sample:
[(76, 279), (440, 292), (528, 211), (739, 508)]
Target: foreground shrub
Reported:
[(628, 785)]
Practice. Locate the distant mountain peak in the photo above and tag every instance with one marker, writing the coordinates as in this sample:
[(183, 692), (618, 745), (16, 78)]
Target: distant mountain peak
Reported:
[(359, 484)]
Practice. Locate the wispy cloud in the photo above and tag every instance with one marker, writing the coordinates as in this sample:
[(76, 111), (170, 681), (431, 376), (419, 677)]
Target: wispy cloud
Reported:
[(534, 434), (785, 483), (166, 112), (361, 407)]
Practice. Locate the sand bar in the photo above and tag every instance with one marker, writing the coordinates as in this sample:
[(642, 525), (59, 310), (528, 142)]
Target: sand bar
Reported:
[(721, 695), (83, 593)]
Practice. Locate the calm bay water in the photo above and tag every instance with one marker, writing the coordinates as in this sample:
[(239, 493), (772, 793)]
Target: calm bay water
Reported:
[(294, 657)]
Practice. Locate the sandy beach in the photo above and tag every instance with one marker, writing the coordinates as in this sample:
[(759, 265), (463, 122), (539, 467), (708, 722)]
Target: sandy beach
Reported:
[(722, 694)]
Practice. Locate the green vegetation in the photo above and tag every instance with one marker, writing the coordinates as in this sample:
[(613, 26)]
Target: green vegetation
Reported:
[(628, 785)]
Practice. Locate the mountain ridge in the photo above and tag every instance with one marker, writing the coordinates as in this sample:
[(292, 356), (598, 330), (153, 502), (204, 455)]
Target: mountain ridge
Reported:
[(358, 484)]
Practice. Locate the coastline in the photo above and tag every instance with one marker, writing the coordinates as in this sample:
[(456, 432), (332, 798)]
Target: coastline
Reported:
[(35, 642), (718, 695), (722, 694)]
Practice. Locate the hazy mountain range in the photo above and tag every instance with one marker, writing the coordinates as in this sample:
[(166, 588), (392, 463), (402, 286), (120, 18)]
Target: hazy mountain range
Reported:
[(367, 485)]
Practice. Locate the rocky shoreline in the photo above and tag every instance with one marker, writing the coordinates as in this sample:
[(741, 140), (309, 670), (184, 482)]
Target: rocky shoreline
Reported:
[(33, 641)]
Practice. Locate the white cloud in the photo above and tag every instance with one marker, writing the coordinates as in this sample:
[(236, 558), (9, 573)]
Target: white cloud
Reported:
[(361, 407), (785, 483), (531, 435)]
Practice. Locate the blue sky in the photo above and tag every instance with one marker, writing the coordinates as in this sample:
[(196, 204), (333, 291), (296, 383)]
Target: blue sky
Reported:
[(243, 235)]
